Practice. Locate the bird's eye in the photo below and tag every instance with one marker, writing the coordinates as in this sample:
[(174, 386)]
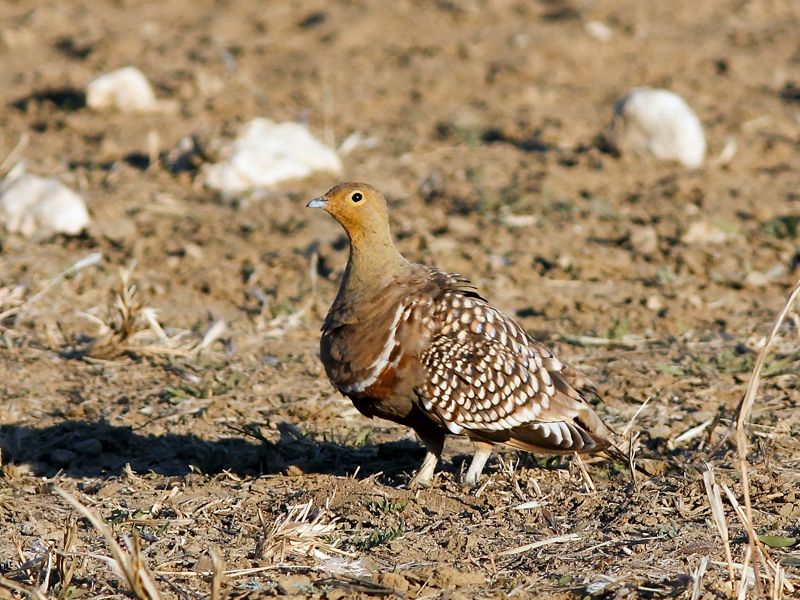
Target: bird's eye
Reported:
[(357, 197)]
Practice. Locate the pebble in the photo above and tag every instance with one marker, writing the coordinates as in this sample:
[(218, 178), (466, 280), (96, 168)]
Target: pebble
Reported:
[(266, 154), (599, 30), (659, 123), (116, 230), (644, 240), (703, 232), (40, 206), (654, 303), (125, 90)]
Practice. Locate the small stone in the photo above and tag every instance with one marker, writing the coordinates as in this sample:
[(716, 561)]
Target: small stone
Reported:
[(444, 245), (193, 251), (695, 300), (266, 154), (660, 123), (294, 471), (703, 232), (126, 90), (27, 528), (654, 303), (644, 240), (776, 271), (116, 230), (208, 84), (40, 206), (565, 262), (660, 431), (599, 30), (62, 457)]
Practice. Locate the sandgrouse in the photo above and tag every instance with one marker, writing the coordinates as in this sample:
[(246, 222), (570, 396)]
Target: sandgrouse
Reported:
[(411, 344)]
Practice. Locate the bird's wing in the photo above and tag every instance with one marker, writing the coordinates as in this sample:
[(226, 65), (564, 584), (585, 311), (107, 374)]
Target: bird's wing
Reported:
[(487, 378)]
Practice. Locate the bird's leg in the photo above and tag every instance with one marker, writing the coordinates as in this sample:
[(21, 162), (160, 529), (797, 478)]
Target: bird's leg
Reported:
[(425, 472), (482, 452), (434, 443)]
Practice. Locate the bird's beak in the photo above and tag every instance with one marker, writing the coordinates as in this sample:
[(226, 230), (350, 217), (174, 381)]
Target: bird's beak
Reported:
[(320, 202)]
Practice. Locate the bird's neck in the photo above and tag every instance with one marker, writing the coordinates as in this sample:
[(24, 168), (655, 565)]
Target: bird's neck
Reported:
[(374, 263)]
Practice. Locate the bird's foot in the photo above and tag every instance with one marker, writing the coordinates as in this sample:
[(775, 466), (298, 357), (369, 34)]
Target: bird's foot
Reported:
[(419, 482), (425, 473), (468, 483), (482, 453)]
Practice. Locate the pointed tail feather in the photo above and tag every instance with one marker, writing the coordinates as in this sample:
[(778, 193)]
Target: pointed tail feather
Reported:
[(556, 437)]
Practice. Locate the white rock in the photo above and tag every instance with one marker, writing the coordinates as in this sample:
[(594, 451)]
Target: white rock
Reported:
[(33, 205), (703, 232), (660, 123), (644, 239), (268, 153), (599, 30), (654, 303), (126, 89)]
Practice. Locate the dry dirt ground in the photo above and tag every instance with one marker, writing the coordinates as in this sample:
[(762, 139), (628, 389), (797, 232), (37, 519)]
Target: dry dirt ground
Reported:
[(485, 115)]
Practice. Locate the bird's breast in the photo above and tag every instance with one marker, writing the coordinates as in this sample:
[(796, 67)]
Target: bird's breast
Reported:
[(367, 356), (356, 355)]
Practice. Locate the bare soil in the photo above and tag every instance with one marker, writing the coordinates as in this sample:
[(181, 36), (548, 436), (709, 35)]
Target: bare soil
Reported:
[(486, 115)]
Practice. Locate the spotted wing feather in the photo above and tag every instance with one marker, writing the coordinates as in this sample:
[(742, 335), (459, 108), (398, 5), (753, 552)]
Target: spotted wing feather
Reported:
[(488, 379)]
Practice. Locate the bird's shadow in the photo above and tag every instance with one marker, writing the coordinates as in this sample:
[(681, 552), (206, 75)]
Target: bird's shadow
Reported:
[(100, 449)]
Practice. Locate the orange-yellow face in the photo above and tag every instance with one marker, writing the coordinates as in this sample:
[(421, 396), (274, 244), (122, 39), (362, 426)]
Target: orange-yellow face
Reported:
[(359, 207)]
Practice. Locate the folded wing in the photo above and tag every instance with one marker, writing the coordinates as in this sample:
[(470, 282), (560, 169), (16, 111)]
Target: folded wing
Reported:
[(486, 378)]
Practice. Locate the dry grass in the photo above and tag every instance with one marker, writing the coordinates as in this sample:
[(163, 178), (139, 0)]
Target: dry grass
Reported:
[(128, 562), (39, 570), (11, 298), (560, 539), (718, 514), (764, 568), (301, 532), (127, 327), (772, 571), (217, 575)]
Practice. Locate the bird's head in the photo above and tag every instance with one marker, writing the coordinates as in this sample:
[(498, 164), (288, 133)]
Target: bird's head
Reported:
[(359, 207)]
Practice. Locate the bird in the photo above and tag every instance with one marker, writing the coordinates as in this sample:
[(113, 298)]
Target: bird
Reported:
[(421, 347)]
